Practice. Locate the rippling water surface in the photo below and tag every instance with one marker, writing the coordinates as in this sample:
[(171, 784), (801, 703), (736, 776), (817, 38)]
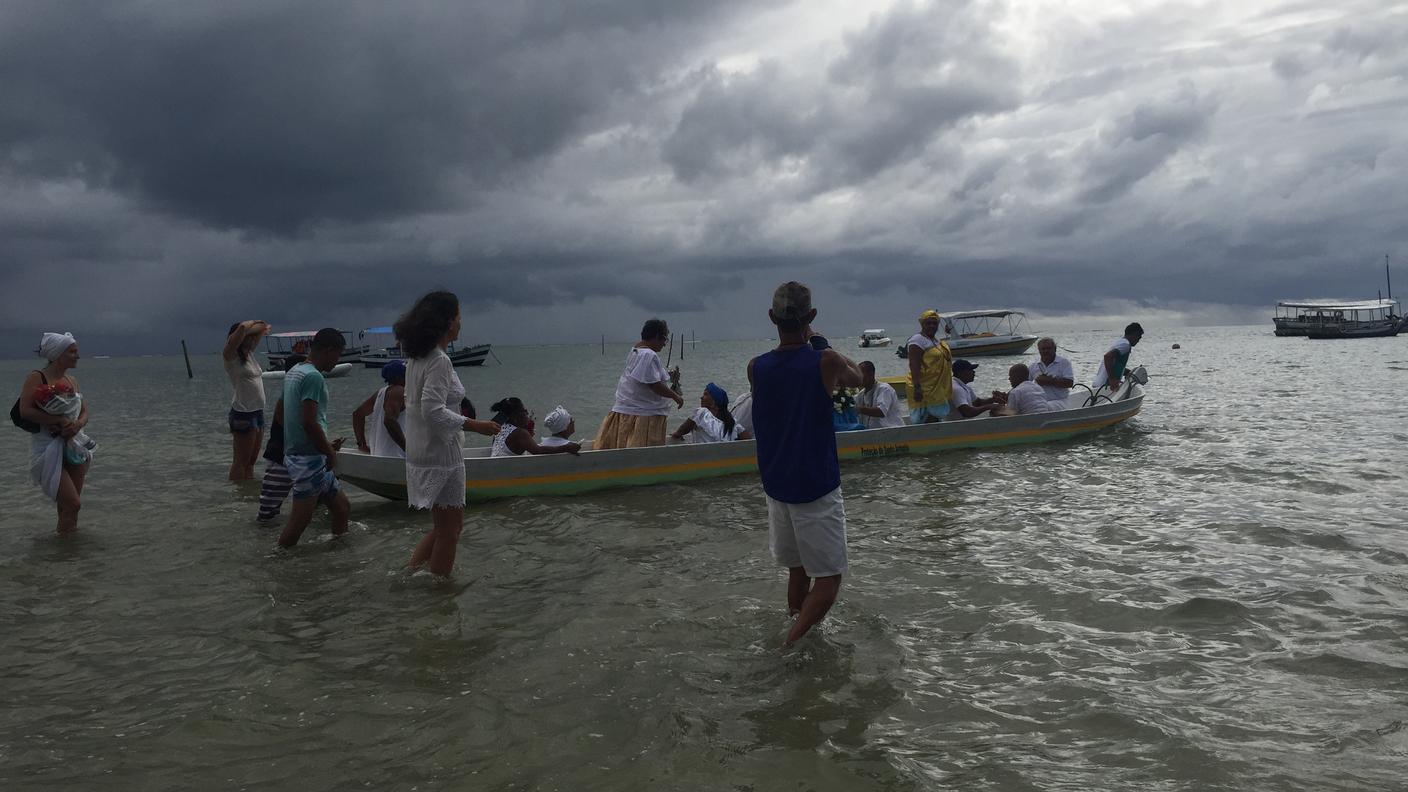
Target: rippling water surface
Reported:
[(1211, 596)]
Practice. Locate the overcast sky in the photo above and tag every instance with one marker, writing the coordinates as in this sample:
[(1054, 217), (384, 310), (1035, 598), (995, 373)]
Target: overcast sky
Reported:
[(570, 168)]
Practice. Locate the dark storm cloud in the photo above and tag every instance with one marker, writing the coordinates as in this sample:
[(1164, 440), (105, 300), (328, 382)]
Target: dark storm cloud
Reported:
[(568, 168), (270, 116)]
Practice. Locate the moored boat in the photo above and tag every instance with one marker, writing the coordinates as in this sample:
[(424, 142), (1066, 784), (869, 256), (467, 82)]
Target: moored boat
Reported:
[(874, 337), (980, 333), (489, 477), (376, 357), (340, 370), (279, 346), (1325, 319)]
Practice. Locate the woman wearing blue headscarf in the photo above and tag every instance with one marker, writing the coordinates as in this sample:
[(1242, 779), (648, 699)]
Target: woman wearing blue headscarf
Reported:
[(712, 422)]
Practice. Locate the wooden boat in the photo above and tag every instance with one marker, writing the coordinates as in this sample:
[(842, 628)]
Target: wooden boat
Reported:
[(376, 357), (488, 477), (1326, 319)]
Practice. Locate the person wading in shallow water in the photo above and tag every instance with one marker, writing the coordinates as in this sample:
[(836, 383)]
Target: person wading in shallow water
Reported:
[(58, 468), (796, 446)]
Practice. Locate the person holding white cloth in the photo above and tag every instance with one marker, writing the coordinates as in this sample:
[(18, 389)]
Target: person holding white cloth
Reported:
[(434, 445), (56, 465)]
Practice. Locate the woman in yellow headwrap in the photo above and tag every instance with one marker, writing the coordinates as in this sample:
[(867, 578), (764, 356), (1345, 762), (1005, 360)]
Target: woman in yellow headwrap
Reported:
[(930, 372)]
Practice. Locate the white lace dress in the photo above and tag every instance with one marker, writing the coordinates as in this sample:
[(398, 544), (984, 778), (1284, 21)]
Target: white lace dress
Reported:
[(434, 432)]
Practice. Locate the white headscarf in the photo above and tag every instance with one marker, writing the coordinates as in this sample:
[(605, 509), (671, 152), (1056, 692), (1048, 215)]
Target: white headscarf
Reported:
[(51, 345), (558, 419)]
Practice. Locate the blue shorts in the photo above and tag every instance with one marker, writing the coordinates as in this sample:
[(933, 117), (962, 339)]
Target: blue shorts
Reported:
[(241, 422), (311, 477), (920, 415)]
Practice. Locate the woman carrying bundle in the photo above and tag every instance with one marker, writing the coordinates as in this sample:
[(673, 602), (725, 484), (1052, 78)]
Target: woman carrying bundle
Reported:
[(51, 407)]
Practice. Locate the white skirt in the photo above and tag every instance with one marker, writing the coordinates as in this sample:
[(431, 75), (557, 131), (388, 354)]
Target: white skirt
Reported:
[(435, 487)]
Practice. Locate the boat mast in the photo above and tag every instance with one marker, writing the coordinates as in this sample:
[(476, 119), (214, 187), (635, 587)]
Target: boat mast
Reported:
[(1388, 278)]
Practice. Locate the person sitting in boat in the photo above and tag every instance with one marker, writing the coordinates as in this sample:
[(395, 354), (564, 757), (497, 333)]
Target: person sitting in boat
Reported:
[(964, 402), (1026, 397), (930, 372), (877, 404), (387, 408), (712, 422), (516, 432), (1053, 373), (561, 424), (742, 411), (1112, 366)]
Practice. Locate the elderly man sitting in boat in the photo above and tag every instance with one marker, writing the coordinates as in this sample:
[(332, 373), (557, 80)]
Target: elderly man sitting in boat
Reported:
[(1053, 373), (1026, 397)]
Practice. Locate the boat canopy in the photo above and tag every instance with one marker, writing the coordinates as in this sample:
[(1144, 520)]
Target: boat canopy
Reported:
[(380, 330), (1331, 305), (995, 313), (295, 334), (874, 332)]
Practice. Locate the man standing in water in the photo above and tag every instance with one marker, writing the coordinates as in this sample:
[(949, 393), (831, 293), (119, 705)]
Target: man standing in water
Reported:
[(796, 442), (308, 455), (1112, 365)]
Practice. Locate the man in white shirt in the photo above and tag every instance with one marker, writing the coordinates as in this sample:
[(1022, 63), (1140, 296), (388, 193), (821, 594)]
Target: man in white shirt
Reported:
[(877, 403), (965, 403), (1053, 373), (1026, 397), (1112, 365)]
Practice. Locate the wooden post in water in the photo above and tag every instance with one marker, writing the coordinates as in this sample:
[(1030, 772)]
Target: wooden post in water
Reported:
[(187, 356), (681, 346), (603, 345)]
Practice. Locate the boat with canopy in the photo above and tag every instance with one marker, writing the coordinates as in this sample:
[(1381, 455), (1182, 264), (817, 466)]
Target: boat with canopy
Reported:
[(378, 356)]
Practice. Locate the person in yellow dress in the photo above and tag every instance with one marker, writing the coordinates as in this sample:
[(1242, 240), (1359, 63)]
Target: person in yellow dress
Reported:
[(930, 371)]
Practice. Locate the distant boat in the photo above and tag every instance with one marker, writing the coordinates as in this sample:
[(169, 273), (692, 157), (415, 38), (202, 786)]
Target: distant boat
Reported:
[(978, 333), (873, 338), (380, 356), (340, 370), (279, 346), (1324, 319)]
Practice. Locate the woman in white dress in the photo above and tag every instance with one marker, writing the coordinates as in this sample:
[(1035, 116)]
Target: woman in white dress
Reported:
[(712, 422), (58, 469), (434, 450), (247, 407)]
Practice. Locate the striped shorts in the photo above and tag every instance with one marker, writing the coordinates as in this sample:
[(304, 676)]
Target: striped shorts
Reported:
[(274, 490)]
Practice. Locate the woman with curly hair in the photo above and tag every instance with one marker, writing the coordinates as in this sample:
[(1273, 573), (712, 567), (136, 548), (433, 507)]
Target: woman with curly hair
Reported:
[(434, 449)]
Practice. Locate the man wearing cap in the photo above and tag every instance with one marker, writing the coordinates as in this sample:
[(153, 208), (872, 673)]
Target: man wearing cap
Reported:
[(930, 372), (796, 447), (877, 403), (387, 408), (963, 401), (561, 424), (1053, 373), (1113, 364)]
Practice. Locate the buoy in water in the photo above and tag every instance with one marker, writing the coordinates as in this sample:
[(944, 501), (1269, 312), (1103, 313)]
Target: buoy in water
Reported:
[(1176, 346)]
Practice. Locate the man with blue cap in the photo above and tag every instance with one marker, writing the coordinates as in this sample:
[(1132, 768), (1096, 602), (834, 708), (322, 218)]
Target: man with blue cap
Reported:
[(387, 408)]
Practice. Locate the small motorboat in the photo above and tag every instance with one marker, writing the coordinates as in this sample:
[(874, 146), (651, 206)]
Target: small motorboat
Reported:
[(279, 346), (874, 338), (376, 357)]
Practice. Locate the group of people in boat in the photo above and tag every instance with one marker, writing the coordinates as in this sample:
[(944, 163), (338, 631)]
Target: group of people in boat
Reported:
[(940, 388)]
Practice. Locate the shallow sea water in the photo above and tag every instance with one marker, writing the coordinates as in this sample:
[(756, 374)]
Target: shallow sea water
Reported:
[(1211, 596)]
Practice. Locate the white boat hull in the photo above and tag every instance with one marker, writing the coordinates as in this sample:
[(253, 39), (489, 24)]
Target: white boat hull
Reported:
[(564, 474), (340, 370)]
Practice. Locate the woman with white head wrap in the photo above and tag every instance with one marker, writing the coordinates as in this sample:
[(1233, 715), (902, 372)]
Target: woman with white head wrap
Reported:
[(561, 424), (56, 465)]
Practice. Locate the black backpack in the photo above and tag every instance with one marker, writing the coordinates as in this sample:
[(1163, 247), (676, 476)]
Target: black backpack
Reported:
[(20, 420)]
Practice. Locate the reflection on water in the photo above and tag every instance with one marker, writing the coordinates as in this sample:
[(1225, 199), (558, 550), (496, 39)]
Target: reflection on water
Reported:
[(1211, 596)]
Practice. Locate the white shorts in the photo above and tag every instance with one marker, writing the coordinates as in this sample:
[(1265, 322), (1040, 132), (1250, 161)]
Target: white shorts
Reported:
[(809, 535)]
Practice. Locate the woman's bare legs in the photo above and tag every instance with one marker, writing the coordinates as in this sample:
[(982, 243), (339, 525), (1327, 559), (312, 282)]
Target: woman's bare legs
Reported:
[(246, 451), (438, 547), (68, 502)]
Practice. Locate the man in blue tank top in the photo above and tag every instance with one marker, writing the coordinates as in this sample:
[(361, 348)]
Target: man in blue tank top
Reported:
[(796, 442)]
